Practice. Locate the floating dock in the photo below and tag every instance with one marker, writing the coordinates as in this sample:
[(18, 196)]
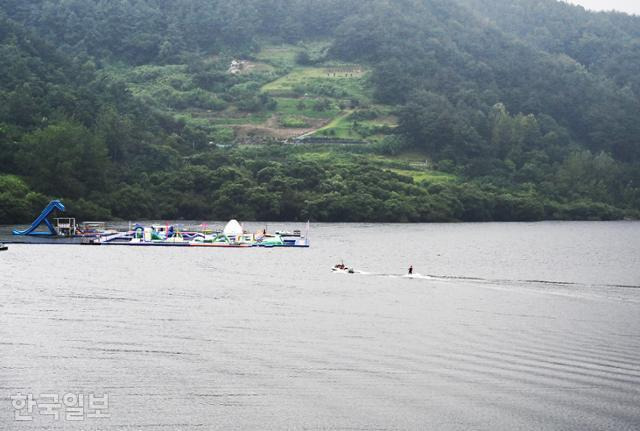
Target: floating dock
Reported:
[(233, 236), (65, 231)]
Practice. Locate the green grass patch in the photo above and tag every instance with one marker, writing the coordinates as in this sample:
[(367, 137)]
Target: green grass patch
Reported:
[(302, 74), (294, 122), (284, 55), (320, 81), (279, 55), (338, 154), (344, 127), (425, 175), (339, 128), (305, 107)]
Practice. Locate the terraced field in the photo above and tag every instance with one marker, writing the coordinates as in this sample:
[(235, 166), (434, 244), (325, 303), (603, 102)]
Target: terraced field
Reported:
[(346, 79), (270, 96)]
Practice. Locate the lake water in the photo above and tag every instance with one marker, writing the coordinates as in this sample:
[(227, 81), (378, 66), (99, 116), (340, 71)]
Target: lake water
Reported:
[(512, 326)]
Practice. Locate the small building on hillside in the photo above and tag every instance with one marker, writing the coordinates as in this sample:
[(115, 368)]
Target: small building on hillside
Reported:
[(236, 66)]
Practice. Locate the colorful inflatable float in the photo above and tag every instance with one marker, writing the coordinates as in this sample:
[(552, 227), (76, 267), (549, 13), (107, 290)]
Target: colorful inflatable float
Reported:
[(233, 236), (66, 231)]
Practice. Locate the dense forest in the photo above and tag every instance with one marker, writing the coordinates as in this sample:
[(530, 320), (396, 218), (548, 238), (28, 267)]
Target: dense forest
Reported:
[(516, 110)]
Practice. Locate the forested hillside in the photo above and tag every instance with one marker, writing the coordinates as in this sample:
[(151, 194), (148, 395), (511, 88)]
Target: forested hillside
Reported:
[(402, 110)]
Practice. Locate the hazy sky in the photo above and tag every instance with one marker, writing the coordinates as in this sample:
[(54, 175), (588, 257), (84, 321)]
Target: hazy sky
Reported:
[(629, 6)]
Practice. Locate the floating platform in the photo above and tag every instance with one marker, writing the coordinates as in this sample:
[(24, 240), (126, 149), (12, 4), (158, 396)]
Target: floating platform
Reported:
[(195, 244), (159, 235), (233, 236), (96, 242)]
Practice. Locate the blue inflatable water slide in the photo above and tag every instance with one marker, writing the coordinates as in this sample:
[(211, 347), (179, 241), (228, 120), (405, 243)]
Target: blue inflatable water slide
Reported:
[(42, 218)]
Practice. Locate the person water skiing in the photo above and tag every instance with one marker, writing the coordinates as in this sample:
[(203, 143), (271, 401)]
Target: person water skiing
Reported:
[(410, 269)]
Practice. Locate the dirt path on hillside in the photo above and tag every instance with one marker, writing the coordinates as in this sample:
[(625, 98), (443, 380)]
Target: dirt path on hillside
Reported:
[(272, 128)]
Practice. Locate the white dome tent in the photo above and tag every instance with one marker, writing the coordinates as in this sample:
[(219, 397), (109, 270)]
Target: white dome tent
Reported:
[(233, 229)]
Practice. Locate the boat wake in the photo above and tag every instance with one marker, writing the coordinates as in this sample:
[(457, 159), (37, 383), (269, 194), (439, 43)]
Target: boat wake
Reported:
[(611, 291), (374, 274), (418, 276), (541, 283)]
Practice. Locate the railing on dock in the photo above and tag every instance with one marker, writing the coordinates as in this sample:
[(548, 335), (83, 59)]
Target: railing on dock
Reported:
[(66, 227)]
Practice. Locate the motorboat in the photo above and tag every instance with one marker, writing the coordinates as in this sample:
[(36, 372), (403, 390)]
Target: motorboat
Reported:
[(341, 268)]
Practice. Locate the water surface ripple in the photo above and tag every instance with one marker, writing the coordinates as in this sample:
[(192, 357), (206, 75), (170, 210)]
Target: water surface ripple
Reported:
[(511, 326)]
